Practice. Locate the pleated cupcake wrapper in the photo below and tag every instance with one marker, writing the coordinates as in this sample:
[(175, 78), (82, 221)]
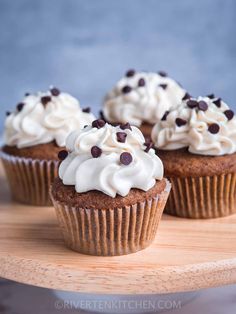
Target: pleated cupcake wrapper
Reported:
[(202, 197), (108, 232), (30, 179)]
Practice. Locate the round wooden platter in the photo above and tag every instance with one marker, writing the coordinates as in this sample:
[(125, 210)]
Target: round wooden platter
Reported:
[(186, 255)]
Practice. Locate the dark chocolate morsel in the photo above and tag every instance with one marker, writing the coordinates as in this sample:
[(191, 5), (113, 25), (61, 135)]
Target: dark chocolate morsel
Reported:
[(125, 126), (164, 86), (87, 109), (8, 113), (214, 128), (162, 73), (99, 123), (101, 115), (121, 137), (229, 114), (20, 106), (186, 96), (165, 115), (126, 89), (192, 103), (217, 102), (202, 105), (130, 73), (211, 96), (27, 94), (141, 82), (62, 154), (96, 151), (45, 100), (126, 158), (180, 122), (148, 145), (55, 91)]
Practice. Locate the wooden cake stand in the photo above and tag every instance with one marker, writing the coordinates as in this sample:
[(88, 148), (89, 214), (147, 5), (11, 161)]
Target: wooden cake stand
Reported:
[(186, 255)]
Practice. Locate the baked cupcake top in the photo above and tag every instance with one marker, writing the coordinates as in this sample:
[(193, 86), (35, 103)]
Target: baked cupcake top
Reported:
[(205, 125), (109, 159), (44, 117), (141, 97)]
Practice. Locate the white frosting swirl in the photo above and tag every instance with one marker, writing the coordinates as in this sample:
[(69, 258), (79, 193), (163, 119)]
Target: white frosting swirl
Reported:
[(38, 124), (195, 134), (147, 103), (106, 173)]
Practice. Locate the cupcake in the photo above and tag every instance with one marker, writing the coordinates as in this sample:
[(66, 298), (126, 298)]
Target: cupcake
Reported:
[(197, 144), (110, 193), (35, 132), (141, 98)]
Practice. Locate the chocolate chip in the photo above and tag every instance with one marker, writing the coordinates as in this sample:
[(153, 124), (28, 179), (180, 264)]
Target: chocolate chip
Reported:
[(55, 91), (130, 73), (27, 94), (8, 113), (217, 102), (85, 126), (99, 123), (164, 86), (202, 105), (211, 96), (20, 106), (148, 145), (121, 137), (192, 103), (62, 154), (126, 89), (126, 158), (96, 151), (45, 100), (180, 122), (141, 82), (186, 96), (125, 126), (162, 73), (229, 114), (165, 115), (214, 128), (87, 110), (101, 115)]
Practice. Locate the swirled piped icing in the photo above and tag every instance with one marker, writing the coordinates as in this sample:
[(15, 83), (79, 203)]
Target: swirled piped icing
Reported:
[(141, 97), (205, 125), (109, 159), (44, 117)]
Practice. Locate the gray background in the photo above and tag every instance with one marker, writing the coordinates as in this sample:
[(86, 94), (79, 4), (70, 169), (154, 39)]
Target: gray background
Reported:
[(83, 47)]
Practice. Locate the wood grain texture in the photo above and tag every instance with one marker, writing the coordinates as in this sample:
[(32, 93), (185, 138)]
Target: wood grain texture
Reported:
[(186, 255)]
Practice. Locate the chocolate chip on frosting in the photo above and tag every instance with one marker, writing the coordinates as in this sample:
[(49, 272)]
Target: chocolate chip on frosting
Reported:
[(20, 106), (125, 126), (192, 103), (101, 115), (217, 102), (202, 105), (96, 151), (87, 109), (148, 145), (180, 122), (186, 96), (8, 113), (211, 96), (162, 73), (165, 115), (214, 128), (27, 94), (126, 89), (126, 158), (229, 114), (62, 154), (121, 137), (99, 123), (45, 100), (130, 73), (141, 82), (55, 91), (164, 86)]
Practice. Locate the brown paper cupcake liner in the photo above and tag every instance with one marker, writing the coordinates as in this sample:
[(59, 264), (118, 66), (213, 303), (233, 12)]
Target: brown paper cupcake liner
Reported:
[(109, 232), (202, 197), (30, 179)]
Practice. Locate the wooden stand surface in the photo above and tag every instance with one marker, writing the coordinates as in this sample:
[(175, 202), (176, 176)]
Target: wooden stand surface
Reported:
[(186, 255)]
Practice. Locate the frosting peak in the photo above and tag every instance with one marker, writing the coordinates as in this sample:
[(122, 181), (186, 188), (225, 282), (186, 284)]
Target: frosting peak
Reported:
[(141, 97), (205, 125), (109, 159), (44, 117)]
